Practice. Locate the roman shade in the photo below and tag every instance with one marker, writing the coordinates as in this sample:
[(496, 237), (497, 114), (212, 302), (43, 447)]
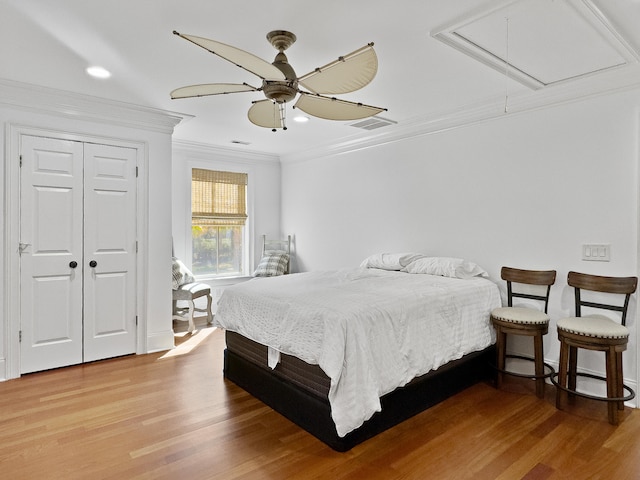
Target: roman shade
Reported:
[(218, 198)]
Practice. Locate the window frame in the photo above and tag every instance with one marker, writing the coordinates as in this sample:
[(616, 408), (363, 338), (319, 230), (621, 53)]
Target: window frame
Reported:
[(247, 258)]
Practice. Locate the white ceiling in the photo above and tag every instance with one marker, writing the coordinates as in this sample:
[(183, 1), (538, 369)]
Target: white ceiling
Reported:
[(420, 78)]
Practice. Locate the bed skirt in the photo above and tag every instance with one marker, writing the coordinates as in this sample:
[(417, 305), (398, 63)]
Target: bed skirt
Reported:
[(303, 398)]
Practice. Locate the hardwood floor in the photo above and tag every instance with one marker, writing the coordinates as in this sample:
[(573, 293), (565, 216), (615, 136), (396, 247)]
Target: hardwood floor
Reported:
[(172, 415)]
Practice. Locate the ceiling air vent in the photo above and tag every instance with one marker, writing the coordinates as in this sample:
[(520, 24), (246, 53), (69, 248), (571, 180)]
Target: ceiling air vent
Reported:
[(372, 123)]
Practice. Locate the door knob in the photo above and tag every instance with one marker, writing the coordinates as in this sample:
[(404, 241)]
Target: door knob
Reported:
[(93, 263), (73, 264)]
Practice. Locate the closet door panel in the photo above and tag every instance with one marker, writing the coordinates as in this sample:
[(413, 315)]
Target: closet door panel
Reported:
[(110, 251), (51, 192)]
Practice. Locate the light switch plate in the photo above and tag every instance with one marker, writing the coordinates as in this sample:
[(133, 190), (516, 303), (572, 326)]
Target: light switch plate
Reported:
[(596, 252)]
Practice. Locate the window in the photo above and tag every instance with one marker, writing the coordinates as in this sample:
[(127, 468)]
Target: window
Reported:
[(218, 217)]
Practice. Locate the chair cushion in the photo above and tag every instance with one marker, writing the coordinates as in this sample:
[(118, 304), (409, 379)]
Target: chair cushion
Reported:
[(191, 290), (520, 315), (597, 326)]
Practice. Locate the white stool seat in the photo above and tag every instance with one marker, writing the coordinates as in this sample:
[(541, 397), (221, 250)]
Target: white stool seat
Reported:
[(527, 316), (597, 326)]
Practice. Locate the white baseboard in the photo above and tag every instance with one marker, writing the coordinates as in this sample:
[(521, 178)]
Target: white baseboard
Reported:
[(160, 341)]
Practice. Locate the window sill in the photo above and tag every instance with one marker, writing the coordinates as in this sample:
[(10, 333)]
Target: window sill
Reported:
[(216, 281)]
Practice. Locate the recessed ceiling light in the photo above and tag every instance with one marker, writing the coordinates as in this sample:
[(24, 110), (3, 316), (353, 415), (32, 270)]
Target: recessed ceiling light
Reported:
[(98, 72), (300, 119)]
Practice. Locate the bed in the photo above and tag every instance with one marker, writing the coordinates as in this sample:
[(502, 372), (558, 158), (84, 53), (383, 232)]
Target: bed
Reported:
[(347, 354)]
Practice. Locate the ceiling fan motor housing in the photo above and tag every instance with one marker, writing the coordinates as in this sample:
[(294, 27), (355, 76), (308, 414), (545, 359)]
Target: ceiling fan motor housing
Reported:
[(281, 91)]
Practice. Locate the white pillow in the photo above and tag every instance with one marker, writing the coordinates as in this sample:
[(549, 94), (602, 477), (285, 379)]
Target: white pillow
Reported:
[(445, 267), (180, 274), (390, 261)]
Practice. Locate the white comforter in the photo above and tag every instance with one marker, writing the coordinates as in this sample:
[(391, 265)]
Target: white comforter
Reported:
[(369, 330)]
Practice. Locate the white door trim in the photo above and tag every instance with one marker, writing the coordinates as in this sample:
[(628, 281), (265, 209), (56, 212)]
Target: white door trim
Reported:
[(11, 326), (636, 401)]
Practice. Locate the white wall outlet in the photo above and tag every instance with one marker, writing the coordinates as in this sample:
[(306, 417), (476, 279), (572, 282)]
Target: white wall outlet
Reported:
[(596, 252)]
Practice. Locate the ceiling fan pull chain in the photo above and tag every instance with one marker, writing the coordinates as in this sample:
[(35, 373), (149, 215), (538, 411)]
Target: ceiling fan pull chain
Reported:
[(275, 118), (283, 115)]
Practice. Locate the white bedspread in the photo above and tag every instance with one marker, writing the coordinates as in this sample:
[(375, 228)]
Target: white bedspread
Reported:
[(369, 330)]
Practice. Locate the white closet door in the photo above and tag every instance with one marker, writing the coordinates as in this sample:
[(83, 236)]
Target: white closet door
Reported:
[(110, 251), (78, 241), (51, 193)]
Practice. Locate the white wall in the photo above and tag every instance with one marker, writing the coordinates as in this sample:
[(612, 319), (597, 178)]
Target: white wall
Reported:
[(263, 197), (525, 190), (87, 118)]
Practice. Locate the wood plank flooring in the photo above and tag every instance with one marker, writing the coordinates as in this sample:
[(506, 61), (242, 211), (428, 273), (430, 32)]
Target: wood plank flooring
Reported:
[(172, 415)]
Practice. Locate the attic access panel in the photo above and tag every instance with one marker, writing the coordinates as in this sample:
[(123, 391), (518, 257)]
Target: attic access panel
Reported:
[(541, 42)]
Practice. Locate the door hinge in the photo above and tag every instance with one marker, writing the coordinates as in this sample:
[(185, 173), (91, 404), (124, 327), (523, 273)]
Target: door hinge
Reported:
[(136, 320), (136, 246), (136, 172), (21, 160), (20, 336)]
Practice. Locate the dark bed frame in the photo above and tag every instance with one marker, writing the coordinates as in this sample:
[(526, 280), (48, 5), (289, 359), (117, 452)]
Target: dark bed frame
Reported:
[(310, 409)]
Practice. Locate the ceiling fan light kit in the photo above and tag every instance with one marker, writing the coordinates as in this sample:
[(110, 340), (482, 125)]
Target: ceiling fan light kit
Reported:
[(281, 85)]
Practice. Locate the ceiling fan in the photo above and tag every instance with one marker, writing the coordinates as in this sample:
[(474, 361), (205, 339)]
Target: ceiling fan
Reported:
[(281, 85)]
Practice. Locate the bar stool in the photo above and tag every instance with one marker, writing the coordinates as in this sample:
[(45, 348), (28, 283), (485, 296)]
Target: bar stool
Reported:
[(599, 333), (523, 321)]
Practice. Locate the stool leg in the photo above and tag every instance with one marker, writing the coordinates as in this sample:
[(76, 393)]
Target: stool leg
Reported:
[(573, 371), (620, 378), (562, 373), (501, 347), (538, 353), (612, 386)]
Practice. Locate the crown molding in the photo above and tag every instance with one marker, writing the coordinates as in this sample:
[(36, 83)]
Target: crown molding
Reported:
[(619, 80), (206, 151), (39, 99)]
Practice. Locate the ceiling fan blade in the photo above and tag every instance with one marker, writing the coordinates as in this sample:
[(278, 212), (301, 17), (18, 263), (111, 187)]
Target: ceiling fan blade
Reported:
[(242, 59), (333, 108), (266, 113), (211, 89), (346, 74)]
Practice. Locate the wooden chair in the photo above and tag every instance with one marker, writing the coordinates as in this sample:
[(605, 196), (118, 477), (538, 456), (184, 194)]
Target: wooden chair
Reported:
[(276, 258), (595, 332), (523, 321)]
